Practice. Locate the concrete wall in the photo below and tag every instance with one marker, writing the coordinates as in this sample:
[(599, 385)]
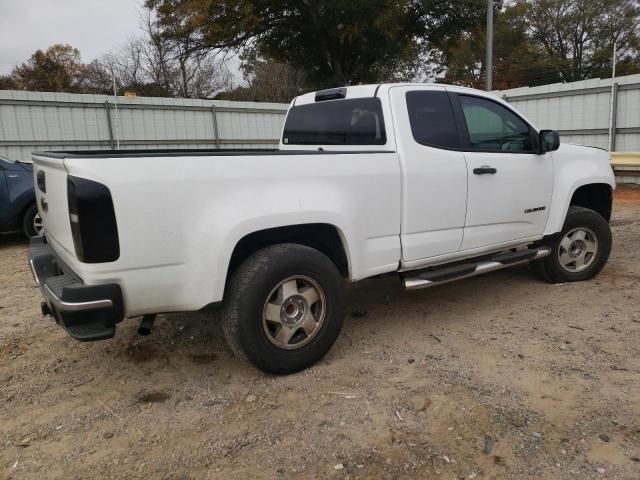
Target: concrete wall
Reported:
[(60, 121)]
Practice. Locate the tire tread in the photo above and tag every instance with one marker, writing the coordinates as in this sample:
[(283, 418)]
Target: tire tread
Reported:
[(548, 268), (243, 280)]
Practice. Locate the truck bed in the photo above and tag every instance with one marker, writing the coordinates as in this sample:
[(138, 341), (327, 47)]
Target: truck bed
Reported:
[(181, 212)]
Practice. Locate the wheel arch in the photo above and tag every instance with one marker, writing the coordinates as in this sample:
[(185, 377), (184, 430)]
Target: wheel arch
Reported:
[(326, 238), (22, 211), (594, 196)]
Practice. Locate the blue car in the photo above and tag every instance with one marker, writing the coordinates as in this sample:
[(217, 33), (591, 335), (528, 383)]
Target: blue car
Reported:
[(18, 209)]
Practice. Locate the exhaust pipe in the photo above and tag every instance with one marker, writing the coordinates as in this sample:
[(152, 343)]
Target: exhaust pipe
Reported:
[(146, 324), (46, 311)]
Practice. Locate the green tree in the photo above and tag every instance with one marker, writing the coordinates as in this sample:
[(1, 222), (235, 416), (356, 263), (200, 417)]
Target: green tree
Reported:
[(516, 61), (58, 69), (334, 42), (538, 42), (577, 36), (8, 82)]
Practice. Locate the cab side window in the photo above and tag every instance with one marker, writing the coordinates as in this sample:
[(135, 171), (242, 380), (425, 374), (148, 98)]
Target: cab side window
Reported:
[(493, 127), (431, 118)]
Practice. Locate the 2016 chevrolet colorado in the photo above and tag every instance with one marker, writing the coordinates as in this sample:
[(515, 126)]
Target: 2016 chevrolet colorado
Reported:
[(433, 183)]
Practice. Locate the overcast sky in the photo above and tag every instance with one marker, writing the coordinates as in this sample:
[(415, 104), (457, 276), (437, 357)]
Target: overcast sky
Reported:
[(94, 27)]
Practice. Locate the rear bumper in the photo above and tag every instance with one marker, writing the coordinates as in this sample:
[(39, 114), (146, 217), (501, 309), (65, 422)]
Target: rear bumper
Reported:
[(86, 312)]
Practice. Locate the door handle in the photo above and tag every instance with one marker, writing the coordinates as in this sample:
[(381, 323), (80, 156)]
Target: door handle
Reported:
[(484, 170)]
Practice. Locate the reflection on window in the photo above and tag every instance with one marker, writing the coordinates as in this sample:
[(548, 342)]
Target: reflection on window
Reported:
[(492, 127), (336, 122), (431, 118)]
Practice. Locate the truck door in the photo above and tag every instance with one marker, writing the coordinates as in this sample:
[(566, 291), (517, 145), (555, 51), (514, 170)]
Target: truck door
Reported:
[(434, 172), (509, 184)]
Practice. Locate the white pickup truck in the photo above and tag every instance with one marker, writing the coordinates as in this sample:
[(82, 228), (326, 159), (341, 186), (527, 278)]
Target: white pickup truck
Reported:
[(431, 183)]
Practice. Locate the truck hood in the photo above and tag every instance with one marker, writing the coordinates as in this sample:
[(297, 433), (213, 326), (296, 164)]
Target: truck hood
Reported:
[(572, 151), (586, 149), (591, 164)]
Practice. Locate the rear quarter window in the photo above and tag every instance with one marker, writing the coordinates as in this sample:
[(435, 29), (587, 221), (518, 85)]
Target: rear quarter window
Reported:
[(357, 121), (431, 118)]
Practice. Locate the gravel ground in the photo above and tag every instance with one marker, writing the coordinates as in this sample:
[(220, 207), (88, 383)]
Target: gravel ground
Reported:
[(500, 376)]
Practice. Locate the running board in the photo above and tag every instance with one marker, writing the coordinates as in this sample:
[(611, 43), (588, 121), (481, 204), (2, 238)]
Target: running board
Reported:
[(444, 275)]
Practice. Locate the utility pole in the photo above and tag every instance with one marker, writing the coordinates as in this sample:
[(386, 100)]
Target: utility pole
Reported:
[(489, 65), (613, 110), (115, 101)]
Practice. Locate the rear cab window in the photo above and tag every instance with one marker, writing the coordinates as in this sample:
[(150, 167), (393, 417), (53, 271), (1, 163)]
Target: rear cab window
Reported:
[(357, 121)]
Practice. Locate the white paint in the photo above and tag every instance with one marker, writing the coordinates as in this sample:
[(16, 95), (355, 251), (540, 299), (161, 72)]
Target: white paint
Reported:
[(179, 218), (430, 226)]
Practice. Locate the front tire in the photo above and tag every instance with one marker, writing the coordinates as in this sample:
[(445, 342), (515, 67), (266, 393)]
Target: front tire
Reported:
[(284, 308), (580, 251)]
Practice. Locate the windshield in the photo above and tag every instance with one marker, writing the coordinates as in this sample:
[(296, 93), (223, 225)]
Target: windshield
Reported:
[(336, 122)]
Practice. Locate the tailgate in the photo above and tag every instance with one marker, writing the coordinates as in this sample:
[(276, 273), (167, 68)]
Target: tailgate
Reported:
[(50, 180)]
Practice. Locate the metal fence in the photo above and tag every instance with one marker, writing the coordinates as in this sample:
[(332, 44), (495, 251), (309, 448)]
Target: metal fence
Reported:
[(581, 111), (60, 121), (29, 121)]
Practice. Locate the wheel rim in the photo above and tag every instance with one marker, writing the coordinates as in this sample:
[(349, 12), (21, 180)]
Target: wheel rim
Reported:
[(578, 249), (294, 312), (38, 227)]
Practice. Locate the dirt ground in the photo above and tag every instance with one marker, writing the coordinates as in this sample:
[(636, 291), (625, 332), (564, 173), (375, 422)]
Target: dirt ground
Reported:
[(498, 376)]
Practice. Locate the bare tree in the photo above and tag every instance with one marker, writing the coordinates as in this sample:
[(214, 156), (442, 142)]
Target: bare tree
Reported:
[(267, 79), (211, 76), (128, 63), (157, 51), (158, 64)]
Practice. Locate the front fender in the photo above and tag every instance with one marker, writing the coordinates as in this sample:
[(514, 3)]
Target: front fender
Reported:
[(20, 203), (574, 167)]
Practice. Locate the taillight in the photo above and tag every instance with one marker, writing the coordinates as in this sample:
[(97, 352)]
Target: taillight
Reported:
[(93, 221), (41, 181)]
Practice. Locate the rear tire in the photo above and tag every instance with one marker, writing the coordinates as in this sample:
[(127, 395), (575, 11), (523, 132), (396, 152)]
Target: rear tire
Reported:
[(284, 308), (31, 222), (580, 251)]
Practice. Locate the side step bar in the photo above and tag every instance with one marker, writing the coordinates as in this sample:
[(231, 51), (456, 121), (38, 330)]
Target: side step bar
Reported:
[(457, 272)]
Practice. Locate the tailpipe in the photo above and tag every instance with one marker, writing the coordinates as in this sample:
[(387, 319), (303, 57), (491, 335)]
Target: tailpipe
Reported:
[(146, 324), (45, 309)]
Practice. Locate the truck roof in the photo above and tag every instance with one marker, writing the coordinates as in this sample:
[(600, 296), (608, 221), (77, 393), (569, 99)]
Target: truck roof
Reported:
[(372, 90)]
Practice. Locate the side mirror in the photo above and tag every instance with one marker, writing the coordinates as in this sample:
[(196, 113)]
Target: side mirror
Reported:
[(549, 141)]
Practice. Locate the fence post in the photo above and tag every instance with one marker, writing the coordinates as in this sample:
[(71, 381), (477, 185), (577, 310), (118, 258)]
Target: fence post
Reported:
[(216, 135), (106, 109), (614, 115)]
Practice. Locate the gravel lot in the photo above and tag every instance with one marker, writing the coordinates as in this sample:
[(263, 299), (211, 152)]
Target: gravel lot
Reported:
[(498, 376)]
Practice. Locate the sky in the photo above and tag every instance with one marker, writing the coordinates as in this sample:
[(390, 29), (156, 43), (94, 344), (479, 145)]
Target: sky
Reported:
[(94, 27)]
